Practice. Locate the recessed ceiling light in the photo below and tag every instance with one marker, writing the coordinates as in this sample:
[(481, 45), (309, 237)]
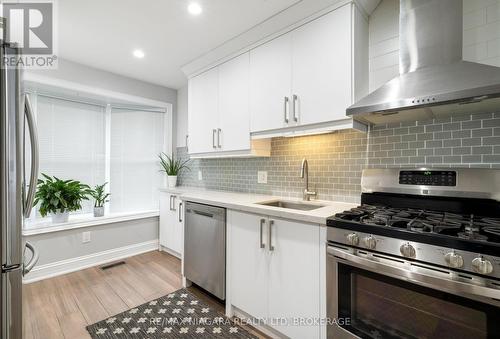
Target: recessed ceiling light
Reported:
[(138, 53), (194, 8)]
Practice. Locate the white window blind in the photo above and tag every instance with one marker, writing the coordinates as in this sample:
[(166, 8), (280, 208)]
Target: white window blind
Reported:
[(72, 141), (137, 137)]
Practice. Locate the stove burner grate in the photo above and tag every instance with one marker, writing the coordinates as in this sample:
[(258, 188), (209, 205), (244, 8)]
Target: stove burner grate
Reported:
[(423, 221)]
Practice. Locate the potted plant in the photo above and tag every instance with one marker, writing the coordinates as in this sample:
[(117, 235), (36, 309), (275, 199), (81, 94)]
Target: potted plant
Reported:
[(59, 197), (100, 199), (172, 167)]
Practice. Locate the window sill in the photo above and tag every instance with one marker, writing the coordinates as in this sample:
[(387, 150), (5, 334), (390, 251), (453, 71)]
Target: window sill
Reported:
[(84, 220)]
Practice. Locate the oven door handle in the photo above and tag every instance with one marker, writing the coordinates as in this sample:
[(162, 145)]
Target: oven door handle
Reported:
[(416, 277)]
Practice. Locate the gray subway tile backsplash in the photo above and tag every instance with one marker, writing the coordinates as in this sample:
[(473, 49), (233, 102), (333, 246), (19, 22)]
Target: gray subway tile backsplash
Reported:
[(336, 160)]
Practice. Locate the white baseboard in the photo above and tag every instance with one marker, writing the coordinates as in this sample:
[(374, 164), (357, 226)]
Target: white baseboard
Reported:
[(267, 330), (41, 272), (169, 251)]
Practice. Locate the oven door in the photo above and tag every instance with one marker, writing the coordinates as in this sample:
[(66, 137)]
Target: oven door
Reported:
[(374, 296)]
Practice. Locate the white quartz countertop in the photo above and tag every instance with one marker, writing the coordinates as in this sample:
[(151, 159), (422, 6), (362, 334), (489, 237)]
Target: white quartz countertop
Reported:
[(249, 203)]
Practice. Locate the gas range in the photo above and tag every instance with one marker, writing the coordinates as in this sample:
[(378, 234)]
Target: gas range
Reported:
[(448, 218), (463, 226), (422, 248)]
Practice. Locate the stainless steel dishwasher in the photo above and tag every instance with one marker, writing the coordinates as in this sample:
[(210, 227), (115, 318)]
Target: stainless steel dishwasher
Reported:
[(205, 247)]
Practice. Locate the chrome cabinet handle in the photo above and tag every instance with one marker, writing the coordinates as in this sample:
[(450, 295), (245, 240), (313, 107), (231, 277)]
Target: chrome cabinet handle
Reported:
[(173, 202), (35, 164), (271, 223), (180, 214), (285, 109), (187, 137), (34, 258), (262, 222), (170, 207), (294, 107), (218, 137), (213, 138)]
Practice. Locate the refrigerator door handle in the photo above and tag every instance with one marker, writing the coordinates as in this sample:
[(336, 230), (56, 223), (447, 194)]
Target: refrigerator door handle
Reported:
[(30, 118), (34, 258)]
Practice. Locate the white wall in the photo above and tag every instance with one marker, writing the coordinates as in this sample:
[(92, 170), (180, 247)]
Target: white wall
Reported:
[(63, 250), (72, 71), (182, 116), (60, 250), (482, 31), (481, 37), (383, 28)]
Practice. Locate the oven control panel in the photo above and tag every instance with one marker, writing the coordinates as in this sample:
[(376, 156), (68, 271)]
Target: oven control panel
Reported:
[(469, 263), (428, 178)]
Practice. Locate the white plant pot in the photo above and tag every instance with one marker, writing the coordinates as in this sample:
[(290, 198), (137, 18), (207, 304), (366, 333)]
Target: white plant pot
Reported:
[(59, 217), (99, 211), (172, 180)]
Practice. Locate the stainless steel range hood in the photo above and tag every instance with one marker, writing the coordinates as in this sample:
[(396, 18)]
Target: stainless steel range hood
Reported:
[(434, 81)]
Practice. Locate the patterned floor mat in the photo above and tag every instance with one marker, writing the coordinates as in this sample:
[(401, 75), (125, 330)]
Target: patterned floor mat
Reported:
[(177, 315)]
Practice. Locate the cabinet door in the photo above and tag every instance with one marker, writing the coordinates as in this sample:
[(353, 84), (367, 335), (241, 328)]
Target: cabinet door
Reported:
[(203, 116), (171, 228), (164, 211), (321, 67), (171, 221), (249, 265), (234, 110), (294, 276), (270, 84), (177, 239)]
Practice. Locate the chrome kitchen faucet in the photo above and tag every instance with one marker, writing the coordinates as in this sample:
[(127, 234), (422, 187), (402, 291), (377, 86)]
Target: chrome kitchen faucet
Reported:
[(304, 173)]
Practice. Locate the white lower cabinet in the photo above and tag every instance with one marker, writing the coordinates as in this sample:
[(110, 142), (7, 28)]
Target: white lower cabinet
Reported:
[(171, 223), (275, 272), (249, 263)]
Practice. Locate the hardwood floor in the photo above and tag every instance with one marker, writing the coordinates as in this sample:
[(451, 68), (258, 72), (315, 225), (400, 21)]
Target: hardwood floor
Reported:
[(63, 306)]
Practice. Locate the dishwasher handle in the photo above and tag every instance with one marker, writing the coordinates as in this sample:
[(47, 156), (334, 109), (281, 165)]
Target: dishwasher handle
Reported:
[(203, 210), (205, 214)]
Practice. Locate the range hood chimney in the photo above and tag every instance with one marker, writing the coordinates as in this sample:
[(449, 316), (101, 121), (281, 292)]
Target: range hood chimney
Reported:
[(434, 81)]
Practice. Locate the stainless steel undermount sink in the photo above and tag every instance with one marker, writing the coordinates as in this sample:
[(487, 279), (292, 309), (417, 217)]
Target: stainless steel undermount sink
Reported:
[(294, 205)]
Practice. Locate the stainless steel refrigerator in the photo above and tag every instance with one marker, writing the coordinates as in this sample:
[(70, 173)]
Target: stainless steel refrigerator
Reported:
[(18, 142)]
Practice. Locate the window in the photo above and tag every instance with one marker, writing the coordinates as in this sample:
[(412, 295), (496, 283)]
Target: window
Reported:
[(136, 140), (96, 143), (72, 141)]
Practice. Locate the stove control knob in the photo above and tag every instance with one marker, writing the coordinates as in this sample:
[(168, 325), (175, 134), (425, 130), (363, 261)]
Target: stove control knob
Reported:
[(407, 250), (370, 242), (482, 266), (353, 239), (454, 260)]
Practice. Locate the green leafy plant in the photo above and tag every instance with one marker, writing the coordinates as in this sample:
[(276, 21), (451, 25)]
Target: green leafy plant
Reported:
[(172, 166), (99, 195), (56, 195)]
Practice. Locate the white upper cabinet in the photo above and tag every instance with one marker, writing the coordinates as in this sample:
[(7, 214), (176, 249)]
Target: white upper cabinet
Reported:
[(321, 68), (234, 113), (203, 108), (306, 77), (270, 84), (300, 82), (219, 112)]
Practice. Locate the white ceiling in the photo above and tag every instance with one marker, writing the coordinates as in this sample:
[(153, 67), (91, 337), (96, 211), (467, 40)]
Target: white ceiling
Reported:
[(103, 34)]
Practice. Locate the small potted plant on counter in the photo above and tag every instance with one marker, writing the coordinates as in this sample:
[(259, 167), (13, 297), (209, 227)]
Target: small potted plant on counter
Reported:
[(172, 167), (100, 198), (59, 197)]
